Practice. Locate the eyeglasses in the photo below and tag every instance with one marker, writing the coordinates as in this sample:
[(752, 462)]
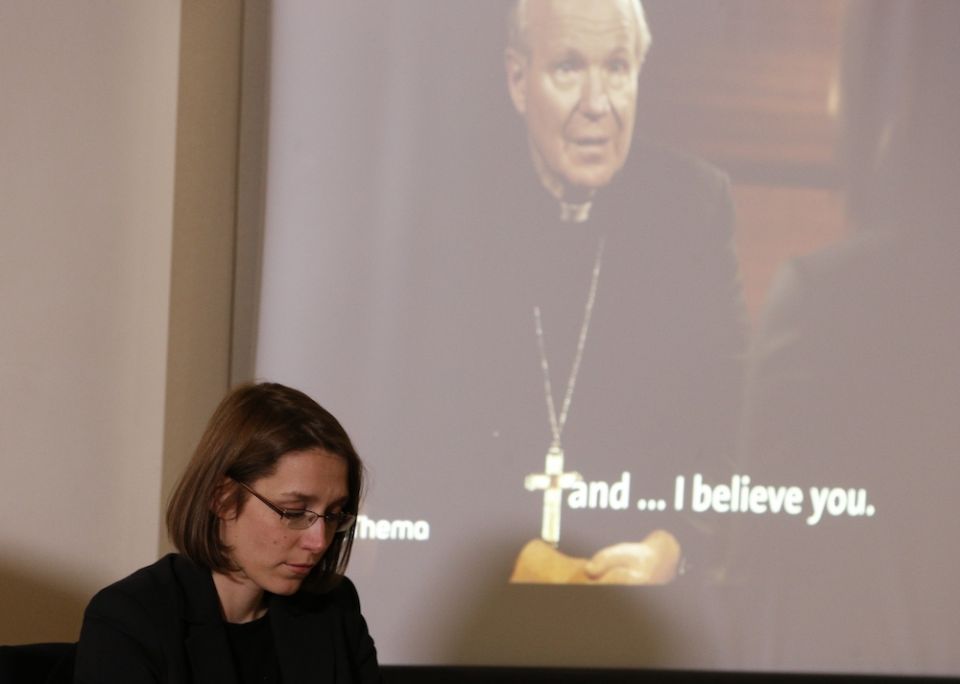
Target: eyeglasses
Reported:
[(301, 518)]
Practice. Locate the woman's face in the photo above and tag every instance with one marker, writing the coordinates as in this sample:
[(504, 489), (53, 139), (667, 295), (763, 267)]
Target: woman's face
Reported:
[(271, 556)]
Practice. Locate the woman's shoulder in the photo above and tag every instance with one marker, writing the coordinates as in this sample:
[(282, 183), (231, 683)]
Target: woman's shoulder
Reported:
[(150, 590), (144, 582)]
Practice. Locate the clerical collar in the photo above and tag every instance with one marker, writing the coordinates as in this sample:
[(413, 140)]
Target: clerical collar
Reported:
[(571, 212)]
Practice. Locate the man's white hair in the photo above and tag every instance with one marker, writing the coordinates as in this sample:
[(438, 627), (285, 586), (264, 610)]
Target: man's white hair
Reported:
[(517, 26)]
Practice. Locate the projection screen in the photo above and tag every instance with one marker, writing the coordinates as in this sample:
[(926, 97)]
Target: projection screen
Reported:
[(649, 342)]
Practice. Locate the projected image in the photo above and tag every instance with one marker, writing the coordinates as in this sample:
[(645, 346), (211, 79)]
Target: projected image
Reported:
[(641, 315), (572, 71)]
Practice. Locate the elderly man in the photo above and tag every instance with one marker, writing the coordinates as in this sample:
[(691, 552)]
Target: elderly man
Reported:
[(613, 260), (572, 70)]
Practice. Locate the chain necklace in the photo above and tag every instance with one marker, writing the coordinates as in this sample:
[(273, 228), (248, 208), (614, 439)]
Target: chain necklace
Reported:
[(553, 480), (557, 423)]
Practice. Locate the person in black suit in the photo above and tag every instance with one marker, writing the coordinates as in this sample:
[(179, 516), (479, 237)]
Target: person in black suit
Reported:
[(263, 519), (661, 338)]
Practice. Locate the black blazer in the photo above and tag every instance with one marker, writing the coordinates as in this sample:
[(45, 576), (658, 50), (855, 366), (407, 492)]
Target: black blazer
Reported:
[(163, 624)]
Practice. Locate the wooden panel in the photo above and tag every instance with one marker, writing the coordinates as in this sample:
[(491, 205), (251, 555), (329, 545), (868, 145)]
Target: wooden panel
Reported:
[(775, 224), (748, 84)]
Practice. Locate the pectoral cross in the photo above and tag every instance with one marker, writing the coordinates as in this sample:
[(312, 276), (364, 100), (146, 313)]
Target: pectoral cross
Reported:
[(552, 481)]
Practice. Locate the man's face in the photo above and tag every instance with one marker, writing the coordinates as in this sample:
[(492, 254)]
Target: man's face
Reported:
[(577, 90)]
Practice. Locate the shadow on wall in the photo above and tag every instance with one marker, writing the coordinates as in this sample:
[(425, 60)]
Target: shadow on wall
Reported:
[(38, 607), (566, 626)]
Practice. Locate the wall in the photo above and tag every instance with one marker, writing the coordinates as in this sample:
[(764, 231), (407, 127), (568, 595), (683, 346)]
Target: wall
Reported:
[(205, 198), (115, 279)]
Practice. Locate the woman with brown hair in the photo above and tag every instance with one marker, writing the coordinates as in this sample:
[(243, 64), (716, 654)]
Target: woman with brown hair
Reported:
[(263, 520)]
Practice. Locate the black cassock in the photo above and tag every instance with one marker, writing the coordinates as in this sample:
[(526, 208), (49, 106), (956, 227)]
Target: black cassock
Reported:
[(656, 395)]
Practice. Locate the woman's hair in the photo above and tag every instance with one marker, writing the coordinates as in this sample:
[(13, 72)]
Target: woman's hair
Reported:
[(251, 429)]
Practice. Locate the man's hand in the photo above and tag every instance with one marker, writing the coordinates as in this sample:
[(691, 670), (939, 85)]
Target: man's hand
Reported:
[(651, 561)]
